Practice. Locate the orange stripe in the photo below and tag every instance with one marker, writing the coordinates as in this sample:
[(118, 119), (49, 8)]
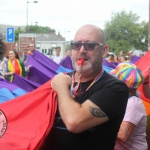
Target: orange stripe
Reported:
[(147, 107)]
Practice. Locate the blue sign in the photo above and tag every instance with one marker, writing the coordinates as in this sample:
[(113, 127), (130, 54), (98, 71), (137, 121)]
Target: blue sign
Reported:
[(10, 35)]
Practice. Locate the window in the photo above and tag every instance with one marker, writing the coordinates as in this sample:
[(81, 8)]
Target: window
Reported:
[(45, 51), (54, 45), (38, 46)]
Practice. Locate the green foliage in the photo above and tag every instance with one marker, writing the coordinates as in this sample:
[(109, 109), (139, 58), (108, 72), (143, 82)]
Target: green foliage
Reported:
[(59, 34), (68, 47), (39, 29), (124, 32), (32, 29), (17, 32)]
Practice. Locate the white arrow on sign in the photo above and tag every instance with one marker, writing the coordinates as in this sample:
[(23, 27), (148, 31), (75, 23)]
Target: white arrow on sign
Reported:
[(10, 39)]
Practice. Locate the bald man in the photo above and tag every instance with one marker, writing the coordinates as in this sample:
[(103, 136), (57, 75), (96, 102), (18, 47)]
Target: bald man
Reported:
[(91, 103)]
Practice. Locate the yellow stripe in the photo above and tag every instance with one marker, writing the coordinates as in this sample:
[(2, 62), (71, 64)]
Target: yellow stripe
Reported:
[(20, 68), (10, 66)]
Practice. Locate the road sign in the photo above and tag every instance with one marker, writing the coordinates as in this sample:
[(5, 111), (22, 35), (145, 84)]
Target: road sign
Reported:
[(25, 40), (10, 35)]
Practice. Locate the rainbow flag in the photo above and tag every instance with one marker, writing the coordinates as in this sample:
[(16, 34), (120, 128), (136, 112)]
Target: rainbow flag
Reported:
[(26, 121)]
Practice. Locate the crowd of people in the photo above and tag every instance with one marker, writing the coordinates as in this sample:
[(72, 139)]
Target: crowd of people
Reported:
[(96, 110)]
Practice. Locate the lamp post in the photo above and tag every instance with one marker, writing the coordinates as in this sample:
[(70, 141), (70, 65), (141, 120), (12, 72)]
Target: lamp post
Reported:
[(27, 30)]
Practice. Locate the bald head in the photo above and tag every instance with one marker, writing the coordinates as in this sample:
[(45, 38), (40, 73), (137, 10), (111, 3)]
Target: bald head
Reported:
[(93, 31)]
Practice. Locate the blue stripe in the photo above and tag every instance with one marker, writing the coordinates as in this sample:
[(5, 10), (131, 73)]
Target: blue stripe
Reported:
[(18, 92), (107, 69), (5, 95), (63, 70)]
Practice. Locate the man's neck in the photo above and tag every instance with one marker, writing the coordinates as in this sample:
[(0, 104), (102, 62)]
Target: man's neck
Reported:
[(86, 76)]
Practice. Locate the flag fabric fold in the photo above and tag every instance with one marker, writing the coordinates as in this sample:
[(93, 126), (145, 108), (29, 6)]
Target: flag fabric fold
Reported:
[(39, 76), (144, 63), (112, 65), (9, 91), (67, 63), (24, 83), (134, 59), (25, 121), (43, 66), (47, 62)]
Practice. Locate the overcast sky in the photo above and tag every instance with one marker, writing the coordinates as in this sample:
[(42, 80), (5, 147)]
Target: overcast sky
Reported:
[(67, 16)]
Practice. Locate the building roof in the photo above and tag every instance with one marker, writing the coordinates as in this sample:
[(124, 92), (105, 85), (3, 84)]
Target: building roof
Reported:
[(49, 37), (39, 37)]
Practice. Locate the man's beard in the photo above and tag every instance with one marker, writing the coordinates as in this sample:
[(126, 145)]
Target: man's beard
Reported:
[(90, 64), (83, 68)]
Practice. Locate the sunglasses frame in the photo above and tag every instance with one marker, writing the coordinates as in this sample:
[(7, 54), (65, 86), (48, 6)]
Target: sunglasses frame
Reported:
[(85, 46)]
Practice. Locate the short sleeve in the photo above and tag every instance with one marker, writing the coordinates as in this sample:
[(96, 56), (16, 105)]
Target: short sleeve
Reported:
[(110, 101), (134, 111)]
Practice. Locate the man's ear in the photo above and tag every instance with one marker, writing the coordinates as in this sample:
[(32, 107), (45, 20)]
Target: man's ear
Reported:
[(105, 50)]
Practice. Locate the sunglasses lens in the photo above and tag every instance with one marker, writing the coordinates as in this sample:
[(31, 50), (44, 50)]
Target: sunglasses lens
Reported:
[(89, 46), (76, 46)]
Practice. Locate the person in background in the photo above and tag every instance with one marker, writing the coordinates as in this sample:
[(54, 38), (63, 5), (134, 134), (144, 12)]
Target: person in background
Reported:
[(130, 53), (133, 58), (31, 50), (124, 59), (90, 110), (68, 53), (3, 65), (25, 57), (31, 47), (122, 56), (2, 51), (132, 132), (14, 65), (57, 58), (122, 53)]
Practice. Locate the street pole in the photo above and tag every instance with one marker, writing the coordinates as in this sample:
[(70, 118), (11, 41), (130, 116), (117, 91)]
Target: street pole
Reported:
[(27, 30), (27, 18)]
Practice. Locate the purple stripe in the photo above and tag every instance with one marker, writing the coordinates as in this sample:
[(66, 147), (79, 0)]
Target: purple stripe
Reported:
[(24, 83)]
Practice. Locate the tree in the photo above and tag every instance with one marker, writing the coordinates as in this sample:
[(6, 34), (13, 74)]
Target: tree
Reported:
[(17, 32), (39, 29), (32, 29), (59, 34), (124, 32)]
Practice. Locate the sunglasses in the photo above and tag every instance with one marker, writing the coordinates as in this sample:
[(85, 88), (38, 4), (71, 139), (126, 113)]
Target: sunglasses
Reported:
[(30, 46), (87, 46)]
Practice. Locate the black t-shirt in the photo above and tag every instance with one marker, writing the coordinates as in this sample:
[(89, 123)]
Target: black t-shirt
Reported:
[(111, 96)]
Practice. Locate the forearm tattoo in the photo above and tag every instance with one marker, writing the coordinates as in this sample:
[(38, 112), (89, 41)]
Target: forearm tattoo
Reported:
[(97, 112)]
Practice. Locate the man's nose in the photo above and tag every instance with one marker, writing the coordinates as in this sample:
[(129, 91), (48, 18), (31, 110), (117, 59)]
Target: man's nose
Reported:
[(82, 49)]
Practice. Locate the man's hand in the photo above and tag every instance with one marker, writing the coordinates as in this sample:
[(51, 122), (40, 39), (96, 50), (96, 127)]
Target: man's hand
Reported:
[(60, 82), (12, 73)]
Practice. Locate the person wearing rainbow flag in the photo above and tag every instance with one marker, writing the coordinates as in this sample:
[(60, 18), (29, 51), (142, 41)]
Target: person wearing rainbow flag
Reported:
[(14, 65)]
